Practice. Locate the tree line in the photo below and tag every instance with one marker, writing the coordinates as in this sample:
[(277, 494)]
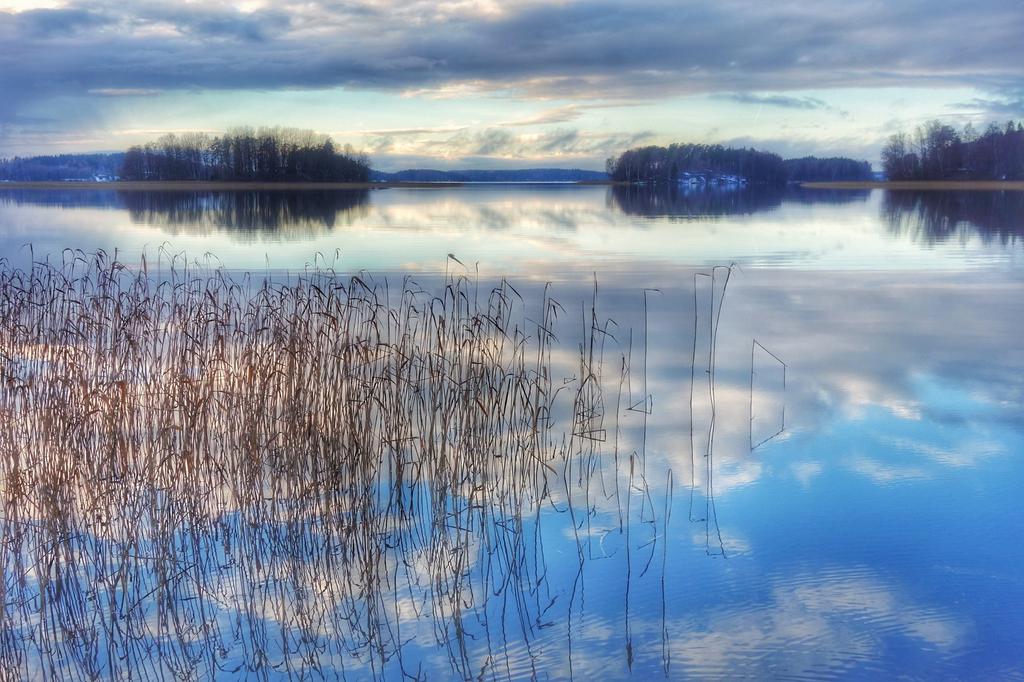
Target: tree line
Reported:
[(657, 165), (937, 151), (832, 169), (242, 154), (60, 167), (665, 165)]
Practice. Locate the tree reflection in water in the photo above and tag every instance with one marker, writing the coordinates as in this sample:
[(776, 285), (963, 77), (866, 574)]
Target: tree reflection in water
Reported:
[(248, 212), (935, 217), (272, 213)]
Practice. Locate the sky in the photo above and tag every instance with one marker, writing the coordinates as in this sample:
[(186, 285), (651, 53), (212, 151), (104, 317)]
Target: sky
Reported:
[(492, 84)]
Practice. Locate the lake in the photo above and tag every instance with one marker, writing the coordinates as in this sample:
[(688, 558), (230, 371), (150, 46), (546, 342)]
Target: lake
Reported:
[(512, 432)]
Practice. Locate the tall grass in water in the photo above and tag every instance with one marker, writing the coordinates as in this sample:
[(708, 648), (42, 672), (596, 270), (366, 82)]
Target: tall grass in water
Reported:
[(206, 476)]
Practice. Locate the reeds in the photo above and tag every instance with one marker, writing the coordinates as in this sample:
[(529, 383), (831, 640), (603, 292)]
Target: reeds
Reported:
[(207, 476)]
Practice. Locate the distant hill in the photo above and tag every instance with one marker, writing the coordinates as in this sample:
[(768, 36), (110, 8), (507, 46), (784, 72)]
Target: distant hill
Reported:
[(518, 175), (61, 167)]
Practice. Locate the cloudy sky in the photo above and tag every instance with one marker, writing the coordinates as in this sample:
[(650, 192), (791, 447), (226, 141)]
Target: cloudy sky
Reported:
[(492, 83)]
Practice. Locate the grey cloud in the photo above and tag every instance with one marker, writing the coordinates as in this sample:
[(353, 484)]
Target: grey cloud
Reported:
[(124, 92), (797, 146), (48, 23), (491, 142), (784, 101), (564, 142), (402, 132), (1008, 101), (561, 140), (571, 49), (996, 107), (497, 147), (559, 115), (217, 24), (572, 141), (581, 51)]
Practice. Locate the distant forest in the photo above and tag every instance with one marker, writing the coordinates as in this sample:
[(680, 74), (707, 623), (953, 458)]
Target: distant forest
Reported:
[(512, 175), (61, 167), (935, 151), (665, 165), (832, 169), (269, 154)]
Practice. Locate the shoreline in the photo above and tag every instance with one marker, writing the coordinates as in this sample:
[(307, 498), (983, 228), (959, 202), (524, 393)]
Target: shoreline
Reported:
[(263, 186), (232, 186), (925, 185), (213, 186)]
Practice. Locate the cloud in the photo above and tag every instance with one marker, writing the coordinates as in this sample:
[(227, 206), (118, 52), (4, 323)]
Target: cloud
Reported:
[(494, 142), (885, 473), (557, 115), (784, 101), (401, 131), (805, 472), (995, 107), (571, 50), (796, 145), (560, 141), (49, 23), (1007, 101), (124, 92), (577, 54), (822, 622), (443, 147)]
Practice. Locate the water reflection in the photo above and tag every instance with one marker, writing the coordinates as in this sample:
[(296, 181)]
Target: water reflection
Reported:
[(457, 478), (284, 212), (281, 213), (62, 198), (454, 475), (685, 202), (322, 476), (804, 195), (511, 227), (933, 217)]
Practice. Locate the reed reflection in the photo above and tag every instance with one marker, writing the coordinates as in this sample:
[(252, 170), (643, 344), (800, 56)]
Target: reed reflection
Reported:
[(208, 476)]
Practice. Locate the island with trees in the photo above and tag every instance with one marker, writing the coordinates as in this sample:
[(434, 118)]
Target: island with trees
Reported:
[(701, 164), (698, 163), (265, 155)]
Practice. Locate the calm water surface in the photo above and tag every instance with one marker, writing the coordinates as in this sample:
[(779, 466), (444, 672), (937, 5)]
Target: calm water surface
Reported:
[(806, 459)]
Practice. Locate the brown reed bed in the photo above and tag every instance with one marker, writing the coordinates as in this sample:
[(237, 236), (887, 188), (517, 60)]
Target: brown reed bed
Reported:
[(207, 475)]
